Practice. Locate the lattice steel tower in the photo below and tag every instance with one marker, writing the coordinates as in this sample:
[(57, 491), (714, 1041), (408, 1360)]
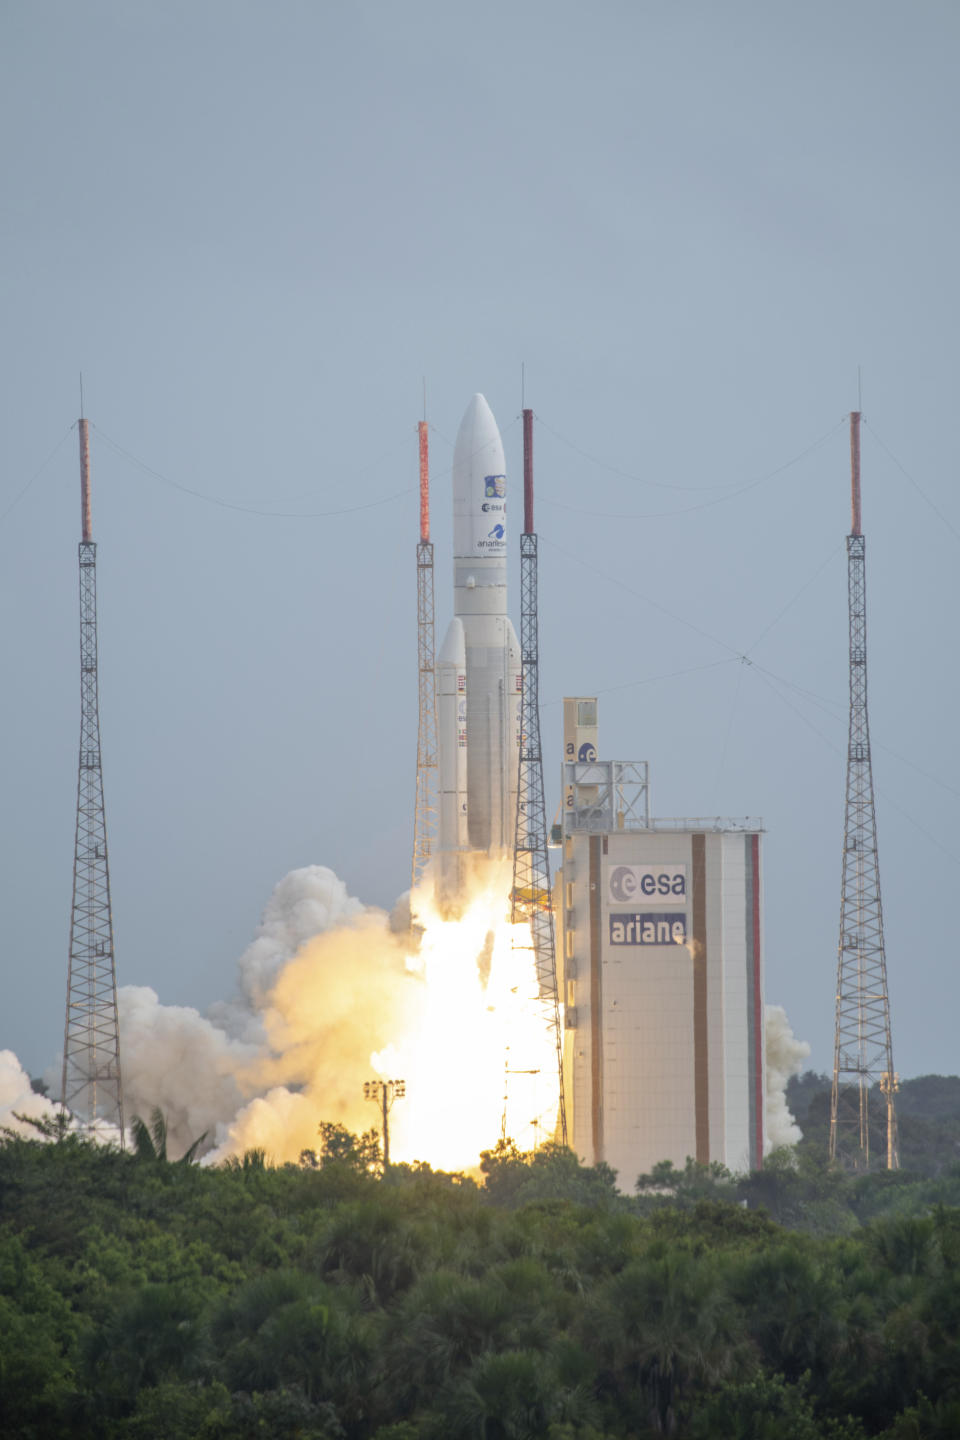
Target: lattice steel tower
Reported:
[(532, 898), (863, 1054), (425, 816), (92, 1087)]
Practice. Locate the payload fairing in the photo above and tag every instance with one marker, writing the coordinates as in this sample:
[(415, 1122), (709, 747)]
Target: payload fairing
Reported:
[(479, 665)]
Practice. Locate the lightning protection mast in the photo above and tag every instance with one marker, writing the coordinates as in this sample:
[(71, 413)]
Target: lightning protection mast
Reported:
[(92, 1088), (863, 1054), (425, 815), (532, 898)]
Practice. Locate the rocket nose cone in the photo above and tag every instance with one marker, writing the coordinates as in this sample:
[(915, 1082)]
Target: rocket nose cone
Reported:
[(478, 440), (478, 406), (479, 499)]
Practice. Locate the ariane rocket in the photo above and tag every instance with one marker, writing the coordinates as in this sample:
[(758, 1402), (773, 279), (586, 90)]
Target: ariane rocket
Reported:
[(479, 665)]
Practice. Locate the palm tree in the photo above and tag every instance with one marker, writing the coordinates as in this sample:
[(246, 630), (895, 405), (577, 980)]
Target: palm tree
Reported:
[(150, 1141), (660, 1325), (155, 1335)]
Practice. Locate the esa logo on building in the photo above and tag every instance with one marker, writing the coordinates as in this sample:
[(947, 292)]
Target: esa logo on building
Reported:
[(587, 752), (648, 929), (631, 883)]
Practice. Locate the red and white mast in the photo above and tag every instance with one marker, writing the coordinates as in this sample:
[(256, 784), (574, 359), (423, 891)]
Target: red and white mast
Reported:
[(425, 818)]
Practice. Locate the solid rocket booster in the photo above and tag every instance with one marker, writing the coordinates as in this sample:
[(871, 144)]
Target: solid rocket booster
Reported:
[(478, 667)]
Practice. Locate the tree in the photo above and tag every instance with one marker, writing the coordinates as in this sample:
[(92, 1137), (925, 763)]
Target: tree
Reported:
[(37, 1330), (766, 1408), (153, 1336), (517, 1395), (662, 1325), (551, 1173), (795, 1309), (666, 1185), (150, 1141), (340, 1147)]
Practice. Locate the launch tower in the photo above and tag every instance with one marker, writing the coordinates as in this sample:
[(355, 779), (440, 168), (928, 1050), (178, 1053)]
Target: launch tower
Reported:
[(532, 899), (91, 1087), (425, 820), (863, 1054)]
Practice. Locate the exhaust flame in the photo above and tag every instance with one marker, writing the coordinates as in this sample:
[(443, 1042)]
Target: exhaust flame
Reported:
[(457, 1018), (479, 1059), (330, 994)]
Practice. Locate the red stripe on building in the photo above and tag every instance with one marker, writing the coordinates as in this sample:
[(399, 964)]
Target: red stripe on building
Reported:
[(758, 1018)]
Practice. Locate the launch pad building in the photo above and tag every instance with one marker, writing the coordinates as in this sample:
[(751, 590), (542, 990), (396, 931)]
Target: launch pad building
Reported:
[(662, 971)]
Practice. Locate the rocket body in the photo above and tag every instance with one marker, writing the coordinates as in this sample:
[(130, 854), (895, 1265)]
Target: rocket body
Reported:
[(479, 664)]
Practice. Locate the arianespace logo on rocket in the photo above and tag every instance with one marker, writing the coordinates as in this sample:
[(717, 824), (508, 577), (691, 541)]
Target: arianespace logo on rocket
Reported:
[(632, 884), (494, 540)]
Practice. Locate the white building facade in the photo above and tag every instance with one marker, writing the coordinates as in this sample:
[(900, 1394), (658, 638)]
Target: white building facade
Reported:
[(660, 952)]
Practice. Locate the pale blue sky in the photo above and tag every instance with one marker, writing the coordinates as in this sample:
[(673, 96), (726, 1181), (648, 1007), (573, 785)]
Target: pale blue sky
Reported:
[(256, 227)]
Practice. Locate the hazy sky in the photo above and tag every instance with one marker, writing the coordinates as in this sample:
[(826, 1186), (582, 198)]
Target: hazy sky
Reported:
[(255, 228)]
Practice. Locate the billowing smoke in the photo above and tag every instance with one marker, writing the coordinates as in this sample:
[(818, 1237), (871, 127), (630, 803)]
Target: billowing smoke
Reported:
[(175, 1059), (305, 903), (318, 990), (331, 994), (337, 1001), (222, 1074), (785, 1057), (18, 1098), (325, 989)]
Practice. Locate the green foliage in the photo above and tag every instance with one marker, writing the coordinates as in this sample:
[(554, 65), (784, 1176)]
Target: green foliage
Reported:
[(150, 1141), (551, 1173), (682, 1189), (767, 1408), (516, 1394), (37, 1331), (282, 1415), (324, 1301), (801, 1189), (662, 1326), (180, 1410), (928, 1120), (339, 1147), (926, 1421)]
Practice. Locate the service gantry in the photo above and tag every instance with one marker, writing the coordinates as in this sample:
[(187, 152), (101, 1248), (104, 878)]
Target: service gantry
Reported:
[(863, 1053), (532, 896), (91, 1089)]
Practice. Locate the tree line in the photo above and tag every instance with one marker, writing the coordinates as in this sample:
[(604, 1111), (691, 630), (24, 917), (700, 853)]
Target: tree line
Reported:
[(332, 1300)]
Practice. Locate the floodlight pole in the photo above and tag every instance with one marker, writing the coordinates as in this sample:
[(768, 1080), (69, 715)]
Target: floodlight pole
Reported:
[(383, 1093)]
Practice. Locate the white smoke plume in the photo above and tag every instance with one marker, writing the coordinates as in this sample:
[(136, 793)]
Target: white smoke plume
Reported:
[(262, 1069), (18, 1098), (305, 903), (323, 992), (330, 996), (326, 984), (785, 1055), (174, 1059), (338, 1000)]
